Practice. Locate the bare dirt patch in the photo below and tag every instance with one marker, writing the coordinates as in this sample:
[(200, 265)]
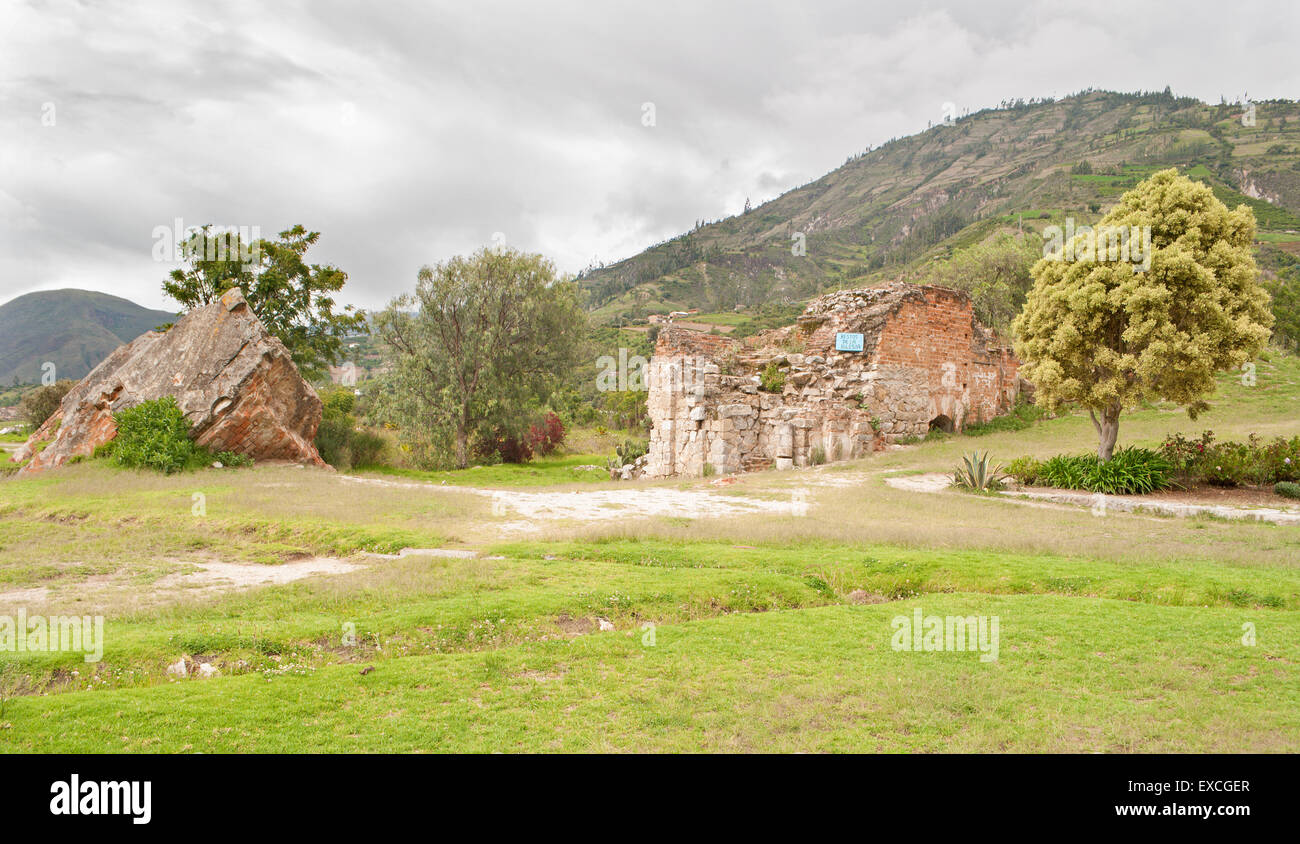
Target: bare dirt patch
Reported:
[(228, 576), (24, 597), (451, 553), (571, 626), (1248, 504), (1228, 496), (537, 509), (932, 482), (123, 591)]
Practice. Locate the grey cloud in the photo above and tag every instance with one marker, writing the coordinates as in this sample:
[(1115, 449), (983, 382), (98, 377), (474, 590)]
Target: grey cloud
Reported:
[(410, 132)]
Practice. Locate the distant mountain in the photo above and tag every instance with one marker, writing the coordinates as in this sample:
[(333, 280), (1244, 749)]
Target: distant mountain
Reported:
[(888, 211), (73, 329)]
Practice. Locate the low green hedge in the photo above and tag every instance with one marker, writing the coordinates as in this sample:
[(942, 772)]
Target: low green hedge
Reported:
[(1130, 471)]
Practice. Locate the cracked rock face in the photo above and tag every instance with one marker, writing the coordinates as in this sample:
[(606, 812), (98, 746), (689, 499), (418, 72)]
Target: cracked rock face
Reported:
[(236, 384)]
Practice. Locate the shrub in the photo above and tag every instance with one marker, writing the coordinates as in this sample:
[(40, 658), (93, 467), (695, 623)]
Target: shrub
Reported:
[(630, 450), (1067, 472), (339, 401), (333, 439), (772, 379), (233, 459), (1233, 463), (367, 448), (1287, 489), (1022, 416), (1024, 469), (498, 444), (1130, 471), (624, 455), (546, 437), (818, 456), (977, 472), (155, 435), (8, 467), (505, 446), (337, 439), (41, 403)]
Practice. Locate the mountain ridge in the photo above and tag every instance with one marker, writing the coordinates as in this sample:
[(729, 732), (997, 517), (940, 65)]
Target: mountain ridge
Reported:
[(73, 329), (889, 210)]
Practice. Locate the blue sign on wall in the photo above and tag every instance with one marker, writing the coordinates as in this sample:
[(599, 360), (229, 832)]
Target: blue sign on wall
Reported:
[(848, 342)]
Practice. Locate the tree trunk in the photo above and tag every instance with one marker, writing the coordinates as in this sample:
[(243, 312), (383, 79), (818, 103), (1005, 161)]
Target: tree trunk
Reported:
[(462, 447), (1107, 431)]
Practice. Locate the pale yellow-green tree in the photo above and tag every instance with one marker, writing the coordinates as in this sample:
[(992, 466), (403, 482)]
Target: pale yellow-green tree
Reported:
[(1106, 335)]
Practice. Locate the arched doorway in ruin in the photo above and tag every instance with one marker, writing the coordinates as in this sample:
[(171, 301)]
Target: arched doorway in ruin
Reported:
[(942, 423)]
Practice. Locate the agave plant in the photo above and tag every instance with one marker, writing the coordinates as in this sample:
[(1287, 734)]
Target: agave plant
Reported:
[(978, 472)]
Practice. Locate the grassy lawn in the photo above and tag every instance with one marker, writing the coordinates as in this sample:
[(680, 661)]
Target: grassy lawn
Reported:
[(542, 471), (1277, 237), (1072, 674), (630, 631)]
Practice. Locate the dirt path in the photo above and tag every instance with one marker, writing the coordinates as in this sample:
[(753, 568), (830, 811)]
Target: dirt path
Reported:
[(1103, 504), (530, 510), (228, 576), (205, 578)]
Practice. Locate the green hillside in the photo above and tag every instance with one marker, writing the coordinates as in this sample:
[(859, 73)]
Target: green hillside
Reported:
[(74, 329), (1023, 166)]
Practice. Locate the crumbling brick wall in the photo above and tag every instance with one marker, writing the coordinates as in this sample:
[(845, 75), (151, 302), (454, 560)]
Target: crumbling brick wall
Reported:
[(925, 362)]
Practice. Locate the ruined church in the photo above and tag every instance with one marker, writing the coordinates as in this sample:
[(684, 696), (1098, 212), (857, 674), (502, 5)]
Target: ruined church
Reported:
[(858, 369)]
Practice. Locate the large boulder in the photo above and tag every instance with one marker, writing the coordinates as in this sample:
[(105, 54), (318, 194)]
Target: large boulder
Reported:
[(236, 384)]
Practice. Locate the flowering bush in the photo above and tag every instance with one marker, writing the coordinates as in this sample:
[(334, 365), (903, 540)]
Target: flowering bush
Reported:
[(1230, 463)]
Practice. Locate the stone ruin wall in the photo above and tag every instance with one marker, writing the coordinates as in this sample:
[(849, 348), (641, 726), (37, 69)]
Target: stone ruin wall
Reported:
[(925, 360)]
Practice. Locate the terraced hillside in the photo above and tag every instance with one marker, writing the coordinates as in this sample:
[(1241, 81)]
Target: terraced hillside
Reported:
[(1021, 167)]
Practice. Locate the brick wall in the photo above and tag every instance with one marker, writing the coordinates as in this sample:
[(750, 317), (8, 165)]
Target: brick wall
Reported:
[(925, 361)]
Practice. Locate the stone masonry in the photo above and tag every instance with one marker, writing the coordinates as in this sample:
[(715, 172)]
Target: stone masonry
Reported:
[(925, 363)]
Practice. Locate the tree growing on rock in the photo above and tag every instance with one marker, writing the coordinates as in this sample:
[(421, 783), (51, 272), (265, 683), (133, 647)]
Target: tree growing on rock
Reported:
[(482, 340), (292, 299), (1107, 334)]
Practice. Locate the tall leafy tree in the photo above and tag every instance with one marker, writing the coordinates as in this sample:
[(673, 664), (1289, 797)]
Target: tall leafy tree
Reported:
[(482, 340), (1286, 307), (293, 299), (996, 274), (1107, 335)]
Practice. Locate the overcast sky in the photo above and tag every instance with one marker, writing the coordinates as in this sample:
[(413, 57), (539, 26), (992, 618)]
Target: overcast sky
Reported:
[(410, 132)]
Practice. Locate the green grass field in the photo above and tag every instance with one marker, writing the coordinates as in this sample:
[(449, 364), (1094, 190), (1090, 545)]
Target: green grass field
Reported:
[(542, 471), (624, 630)]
